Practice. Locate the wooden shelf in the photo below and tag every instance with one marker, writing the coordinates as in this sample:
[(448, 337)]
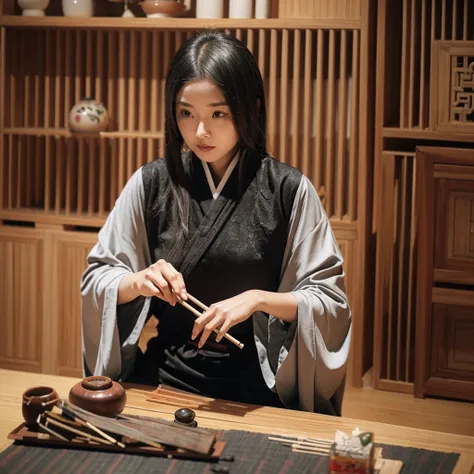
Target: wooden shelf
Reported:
[(63, 132), (41, 217), (116, 23), (425, 134)]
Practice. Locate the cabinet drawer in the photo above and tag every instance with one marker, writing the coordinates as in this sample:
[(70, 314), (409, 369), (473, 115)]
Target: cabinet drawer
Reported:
[(452, 351), (452, 344), (454, 249)]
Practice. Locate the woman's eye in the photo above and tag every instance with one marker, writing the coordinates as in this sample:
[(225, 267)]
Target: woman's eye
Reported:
[(218, 114), (185, 113)]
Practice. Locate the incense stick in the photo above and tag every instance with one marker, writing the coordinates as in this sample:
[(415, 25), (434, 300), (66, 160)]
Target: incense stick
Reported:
[(310, 450), (305, 445), (70, 414), (291, 440), (230, 338), (50, 431), (53, 421)]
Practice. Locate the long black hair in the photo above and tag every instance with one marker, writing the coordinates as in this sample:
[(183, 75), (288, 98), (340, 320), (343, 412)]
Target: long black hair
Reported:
[(225, 61)]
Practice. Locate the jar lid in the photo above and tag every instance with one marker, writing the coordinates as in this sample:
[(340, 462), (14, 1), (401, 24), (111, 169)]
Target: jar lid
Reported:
[(96, 383)]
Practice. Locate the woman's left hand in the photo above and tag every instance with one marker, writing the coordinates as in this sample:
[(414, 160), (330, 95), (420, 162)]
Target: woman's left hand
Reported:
[(224, 315)]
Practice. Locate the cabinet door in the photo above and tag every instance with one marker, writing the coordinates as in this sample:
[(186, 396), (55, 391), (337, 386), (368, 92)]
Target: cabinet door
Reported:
[(452, 344), (70, 251), (454, 250), (21, 298)]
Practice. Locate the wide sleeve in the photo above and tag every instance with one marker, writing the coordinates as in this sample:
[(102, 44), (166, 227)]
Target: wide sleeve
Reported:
[(110, 332), (305, 362)]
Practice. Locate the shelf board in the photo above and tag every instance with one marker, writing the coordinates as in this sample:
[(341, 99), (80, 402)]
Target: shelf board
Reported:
[(51, 218), (117, 23), (64, 132), (426, 134)]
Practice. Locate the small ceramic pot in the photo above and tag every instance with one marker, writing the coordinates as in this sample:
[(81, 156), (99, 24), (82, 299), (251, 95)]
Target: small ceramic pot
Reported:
[(162, 8), (88, 116), (33, 7), (37, 400), (99, 395)]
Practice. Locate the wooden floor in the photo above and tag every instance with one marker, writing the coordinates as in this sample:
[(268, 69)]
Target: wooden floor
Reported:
[(403, 409)]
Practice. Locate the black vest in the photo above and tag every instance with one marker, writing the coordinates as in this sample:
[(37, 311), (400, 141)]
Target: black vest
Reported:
[(236, 243)]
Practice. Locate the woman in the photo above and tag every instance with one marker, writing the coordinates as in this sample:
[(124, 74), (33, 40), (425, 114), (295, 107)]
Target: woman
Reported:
[(222, 220)]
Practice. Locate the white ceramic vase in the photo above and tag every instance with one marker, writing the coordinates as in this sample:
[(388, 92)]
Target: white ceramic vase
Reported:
[(33, 7), (78, 7), (240, 9), (209, 8), (262, 8)]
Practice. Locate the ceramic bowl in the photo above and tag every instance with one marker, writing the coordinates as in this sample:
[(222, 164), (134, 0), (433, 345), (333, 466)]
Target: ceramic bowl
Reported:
[(33, 7), (37, 400), (99, 395), (162, 8), (88, 115)]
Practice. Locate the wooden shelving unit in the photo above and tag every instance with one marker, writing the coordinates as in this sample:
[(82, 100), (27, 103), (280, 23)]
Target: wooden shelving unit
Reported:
[(413, 90), (57, 185)]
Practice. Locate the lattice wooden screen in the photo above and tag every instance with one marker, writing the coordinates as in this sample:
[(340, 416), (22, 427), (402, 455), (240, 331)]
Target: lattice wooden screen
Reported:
[(312, 81), (418, 23)]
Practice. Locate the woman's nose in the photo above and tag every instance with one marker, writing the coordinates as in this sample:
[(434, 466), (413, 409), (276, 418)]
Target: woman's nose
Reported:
[(202, 131)]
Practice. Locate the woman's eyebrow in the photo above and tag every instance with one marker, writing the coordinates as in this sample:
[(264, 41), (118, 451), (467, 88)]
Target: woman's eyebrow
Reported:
[(214, 104)]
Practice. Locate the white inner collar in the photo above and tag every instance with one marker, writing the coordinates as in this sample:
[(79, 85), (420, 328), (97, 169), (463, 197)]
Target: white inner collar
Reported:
[(217, 191)]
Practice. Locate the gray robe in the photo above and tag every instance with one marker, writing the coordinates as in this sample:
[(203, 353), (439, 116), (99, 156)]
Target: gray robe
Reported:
[(305, 362)]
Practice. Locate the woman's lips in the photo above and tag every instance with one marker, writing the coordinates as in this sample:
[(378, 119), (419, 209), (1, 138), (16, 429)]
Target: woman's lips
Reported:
[(206, 148)]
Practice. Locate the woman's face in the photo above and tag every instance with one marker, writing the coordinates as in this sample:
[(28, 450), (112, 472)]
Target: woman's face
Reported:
[(206, 124)]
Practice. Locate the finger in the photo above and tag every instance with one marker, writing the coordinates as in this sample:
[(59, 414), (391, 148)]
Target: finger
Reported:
[(174, 278), (223, 329), (153, 290), (162, 285), (208, 328), (183, 293), (201, 322)]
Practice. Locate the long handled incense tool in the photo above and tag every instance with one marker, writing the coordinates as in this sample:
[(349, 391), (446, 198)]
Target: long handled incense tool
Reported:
[(198, 314), (69, 414), (51, 418)]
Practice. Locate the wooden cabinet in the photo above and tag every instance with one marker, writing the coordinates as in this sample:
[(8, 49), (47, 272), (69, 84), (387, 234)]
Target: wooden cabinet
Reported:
[(40, 299), (445, 286), (21, 298), (423, 90)]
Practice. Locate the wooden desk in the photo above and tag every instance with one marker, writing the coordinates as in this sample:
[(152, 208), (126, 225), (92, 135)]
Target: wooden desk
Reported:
[(261, 419)]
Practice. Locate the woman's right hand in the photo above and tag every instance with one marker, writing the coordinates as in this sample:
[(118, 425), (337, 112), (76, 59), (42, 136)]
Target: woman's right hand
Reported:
[(160, 279)]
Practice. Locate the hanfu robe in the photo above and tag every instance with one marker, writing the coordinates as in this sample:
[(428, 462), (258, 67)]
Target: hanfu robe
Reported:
[(265, 229)]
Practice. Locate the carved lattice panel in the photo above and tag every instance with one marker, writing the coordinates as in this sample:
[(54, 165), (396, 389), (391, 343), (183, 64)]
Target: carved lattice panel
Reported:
[(452, 87)]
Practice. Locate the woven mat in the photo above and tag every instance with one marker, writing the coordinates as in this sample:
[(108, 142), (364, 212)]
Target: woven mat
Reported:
[(253, 452)]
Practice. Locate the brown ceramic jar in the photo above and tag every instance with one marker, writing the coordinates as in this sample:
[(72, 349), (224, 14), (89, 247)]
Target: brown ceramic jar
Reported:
[(37, 400), (99, 395)]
